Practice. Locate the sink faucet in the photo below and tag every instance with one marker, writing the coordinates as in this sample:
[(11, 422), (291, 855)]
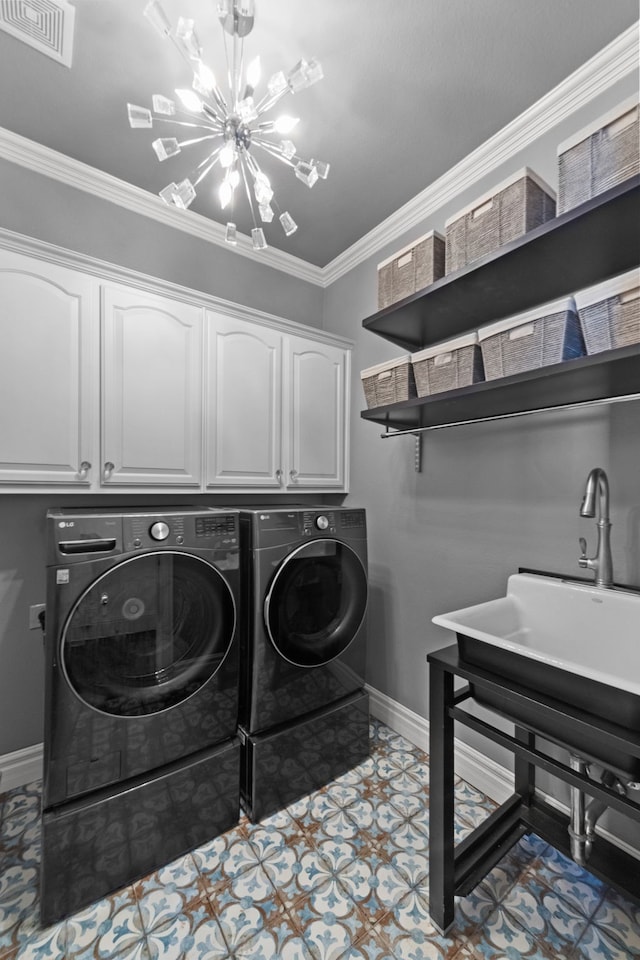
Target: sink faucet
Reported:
[(601, 564)]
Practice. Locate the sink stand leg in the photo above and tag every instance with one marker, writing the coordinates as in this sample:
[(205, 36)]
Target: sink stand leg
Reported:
[(441, 799)]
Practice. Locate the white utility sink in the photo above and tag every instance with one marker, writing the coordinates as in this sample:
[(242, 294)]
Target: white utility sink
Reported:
[(576, 627), (573, 645)]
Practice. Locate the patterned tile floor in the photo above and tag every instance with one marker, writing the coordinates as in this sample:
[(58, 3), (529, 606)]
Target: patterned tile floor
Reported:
[(340, 875)]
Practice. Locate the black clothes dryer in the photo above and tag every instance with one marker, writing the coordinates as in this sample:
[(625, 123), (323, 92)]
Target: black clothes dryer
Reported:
[(304, 714), (141, 754)]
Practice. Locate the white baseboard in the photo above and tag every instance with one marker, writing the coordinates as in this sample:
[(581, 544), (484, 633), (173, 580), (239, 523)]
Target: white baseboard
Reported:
[(20, 767), (486, 775)]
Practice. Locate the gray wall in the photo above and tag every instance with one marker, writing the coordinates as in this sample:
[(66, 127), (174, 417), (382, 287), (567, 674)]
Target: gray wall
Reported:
[(490, 498)]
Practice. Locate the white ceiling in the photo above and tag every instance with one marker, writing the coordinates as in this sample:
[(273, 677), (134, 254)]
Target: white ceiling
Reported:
[(411, 87)]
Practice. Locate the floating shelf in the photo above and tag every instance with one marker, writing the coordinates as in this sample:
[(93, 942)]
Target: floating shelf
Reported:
[(597, 240), (603, 376), (585, 246)]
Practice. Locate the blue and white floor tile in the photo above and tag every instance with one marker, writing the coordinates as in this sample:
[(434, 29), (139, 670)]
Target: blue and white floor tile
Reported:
[(340, 875)]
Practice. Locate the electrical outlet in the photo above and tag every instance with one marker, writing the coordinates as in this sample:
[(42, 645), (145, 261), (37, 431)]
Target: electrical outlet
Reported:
[(34, 611)]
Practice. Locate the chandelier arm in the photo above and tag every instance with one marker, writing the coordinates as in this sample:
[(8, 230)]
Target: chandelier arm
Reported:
[(179, 48), (217, 95), (220, 100), (274, 149), (268, 101), (208, 163), (188, 143), (213, 114), (210, 122), (242, 158), (185, 123)]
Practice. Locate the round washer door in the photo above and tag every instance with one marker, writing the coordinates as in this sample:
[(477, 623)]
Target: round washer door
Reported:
[(148, 633), (316, 602)]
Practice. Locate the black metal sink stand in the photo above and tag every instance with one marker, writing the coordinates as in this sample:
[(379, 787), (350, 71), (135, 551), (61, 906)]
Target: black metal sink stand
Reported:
[(455, 869)]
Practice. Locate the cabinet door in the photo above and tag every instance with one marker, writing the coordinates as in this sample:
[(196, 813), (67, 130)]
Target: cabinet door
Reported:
[(316, 416), (48, 372), (243, 405), (151, 389)]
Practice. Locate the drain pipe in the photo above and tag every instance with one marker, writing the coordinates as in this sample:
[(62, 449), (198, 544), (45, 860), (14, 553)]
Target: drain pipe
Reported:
[(582, 825), (580, 840)]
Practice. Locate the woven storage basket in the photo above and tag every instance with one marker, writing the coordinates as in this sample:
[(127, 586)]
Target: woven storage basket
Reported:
[(610, 313), (549, 334), (605, 153), (511, 209), (410, 269), (389, 382), (448, 366)]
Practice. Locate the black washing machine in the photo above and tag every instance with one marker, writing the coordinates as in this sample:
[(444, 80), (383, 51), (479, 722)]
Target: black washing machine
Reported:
[(141, 753), (304, 714)]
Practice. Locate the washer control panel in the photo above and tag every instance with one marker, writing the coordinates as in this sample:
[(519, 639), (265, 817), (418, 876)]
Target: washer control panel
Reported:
[(213, 531)]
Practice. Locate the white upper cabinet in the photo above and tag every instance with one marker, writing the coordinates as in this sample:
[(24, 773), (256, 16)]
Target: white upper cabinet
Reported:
[(315, 414), (243, 407), (48, 333), (111, 385), (151, 389), (276, 409)]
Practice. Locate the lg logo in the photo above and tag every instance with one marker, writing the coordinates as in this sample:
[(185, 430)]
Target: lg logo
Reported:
[(66, 523)]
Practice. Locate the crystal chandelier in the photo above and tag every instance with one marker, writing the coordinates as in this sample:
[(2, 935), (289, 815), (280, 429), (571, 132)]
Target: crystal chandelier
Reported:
[(232, 121)]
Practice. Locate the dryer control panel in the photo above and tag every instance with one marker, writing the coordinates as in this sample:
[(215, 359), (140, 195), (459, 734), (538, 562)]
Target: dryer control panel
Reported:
[(314, 523), (290, 525), (344, 522)]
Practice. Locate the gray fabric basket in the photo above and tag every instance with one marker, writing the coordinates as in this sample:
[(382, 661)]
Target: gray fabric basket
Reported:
[(520, 205), (601, 158), (610, 313), (412, 268), (388, 383), (532, 341), (450, 369)]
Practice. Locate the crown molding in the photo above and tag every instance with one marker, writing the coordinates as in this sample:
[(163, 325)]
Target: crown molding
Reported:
[(614, 62), (50, 163)]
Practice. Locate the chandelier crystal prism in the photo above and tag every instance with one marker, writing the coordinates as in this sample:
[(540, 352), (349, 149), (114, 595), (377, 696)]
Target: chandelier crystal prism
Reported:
[(231, 121)]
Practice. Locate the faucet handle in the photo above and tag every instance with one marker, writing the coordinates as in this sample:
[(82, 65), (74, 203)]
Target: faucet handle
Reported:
[(583, 561)]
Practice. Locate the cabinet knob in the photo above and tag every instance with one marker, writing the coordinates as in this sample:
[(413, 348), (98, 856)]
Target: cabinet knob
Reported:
[(293, 474), (278, 474), (83, 472), (108, 470)]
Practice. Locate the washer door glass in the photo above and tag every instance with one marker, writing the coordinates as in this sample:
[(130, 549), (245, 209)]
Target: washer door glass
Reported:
[(316, 602), (148, 633)]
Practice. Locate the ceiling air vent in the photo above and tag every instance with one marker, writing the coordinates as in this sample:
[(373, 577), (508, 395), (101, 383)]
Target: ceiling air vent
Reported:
[(45, 25)]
